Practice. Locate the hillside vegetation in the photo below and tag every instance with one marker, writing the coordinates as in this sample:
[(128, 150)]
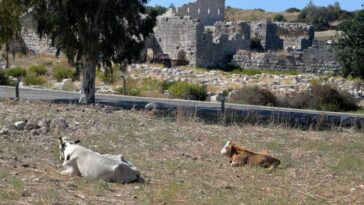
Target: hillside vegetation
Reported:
[(232, 14)]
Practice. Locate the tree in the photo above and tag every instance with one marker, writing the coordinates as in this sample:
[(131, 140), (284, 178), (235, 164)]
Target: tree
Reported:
[(292, 10), (157, 8), (10, 25), (321, 17), (350, 48), (91, 32)]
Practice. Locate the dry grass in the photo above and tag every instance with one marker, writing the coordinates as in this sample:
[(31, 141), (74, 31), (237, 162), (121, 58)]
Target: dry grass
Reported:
[(327, 35), (181, 158), (254, 15), (31, 59)]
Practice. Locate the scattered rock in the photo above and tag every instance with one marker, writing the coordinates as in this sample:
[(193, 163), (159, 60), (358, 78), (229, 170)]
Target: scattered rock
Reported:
[(59, 124), (44, 123), (151, 106), (34, 132), (4, 131), (30, 126), (20, 124)]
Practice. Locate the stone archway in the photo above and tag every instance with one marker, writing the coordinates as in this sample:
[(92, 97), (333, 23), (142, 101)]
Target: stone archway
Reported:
[(181, 58), (182, 55)]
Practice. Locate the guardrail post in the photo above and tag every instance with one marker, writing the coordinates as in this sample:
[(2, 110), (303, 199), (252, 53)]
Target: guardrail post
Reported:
[(223, 103), (17, 89)]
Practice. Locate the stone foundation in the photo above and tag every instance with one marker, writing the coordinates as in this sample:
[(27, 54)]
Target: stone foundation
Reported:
[(318, 59)]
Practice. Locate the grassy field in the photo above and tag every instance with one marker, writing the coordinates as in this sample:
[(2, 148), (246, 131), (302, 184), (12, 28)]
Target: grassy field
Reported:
[(181, 158)]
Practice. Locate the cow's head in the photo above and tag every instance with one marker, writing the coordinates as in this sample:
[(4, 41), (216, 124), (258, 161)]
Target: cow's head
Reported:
[(63, 142), (227, 149)]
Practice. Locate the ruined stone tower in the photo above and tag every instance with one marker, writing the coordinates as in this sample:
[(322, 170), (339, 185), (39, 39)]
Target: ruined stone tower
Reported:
[(207, 11)]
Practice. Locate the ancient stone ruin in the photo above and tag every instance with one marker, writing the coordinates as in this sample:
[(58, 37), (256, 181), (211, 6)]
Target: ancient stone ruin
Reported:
[(196, 34)]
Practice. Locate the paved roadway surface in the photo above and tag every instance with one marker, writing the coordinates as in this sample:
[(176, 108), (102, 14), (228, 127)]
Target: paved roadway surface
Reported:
[(125, 101)]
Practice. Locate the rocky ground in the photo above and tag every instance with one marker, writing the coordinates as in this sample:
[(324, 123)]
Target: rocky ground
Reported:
[(179, 155), (218, 81)]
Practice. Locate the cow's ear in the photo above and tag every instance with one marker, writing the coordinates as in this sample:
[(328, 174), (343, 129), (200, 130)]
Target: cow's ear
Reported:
[(77, 141), (60, 141)]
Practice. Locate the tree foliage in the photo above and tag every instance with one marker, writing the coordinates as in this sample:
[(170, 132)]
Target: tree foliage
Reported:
[(350, 46), (158, 9), (293, 9), (94, 32), (321, 17), (10, 25)]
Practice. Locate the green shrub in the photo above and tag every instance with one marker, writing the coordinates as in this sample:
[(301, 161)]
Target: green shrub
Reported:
[(133, 91), (185, 90), (38, 70), (255, 96), (4, 80), (61, 72), (32, 79), (279, 17), (109, 75), (16, 72), (166, 85)]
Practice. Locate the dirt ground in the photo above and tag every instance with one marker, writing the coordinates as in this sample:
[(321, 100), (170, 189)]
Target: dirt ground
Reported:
[(179, 155)]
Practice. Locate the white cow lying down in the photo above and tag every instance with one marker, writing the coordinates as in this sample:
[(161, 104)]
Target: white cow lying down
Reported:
[(79, 161)]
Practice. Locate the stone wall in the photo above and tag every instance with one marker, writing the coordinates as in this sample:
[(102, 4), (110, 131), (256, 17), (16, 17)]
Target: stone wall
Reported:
[(295, 35), (31, 40), (318, 59), (280, 35), (177, 37), (36, 45), (207, 11), (217, 44)]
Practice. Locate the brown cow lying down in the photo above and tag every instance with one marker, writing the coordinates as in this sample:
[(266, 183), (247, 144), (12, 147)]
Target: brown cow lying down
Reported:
[(241, 157)]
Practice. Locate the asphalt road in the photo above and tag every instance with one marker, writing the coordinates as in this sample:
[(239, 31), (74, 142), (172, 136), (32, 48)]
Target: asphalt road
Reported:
[(116, 100)]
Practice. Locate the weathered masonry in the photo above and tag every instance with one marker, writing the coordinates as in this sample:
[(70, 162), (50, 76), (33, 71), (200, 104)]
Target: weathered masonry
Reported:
[(196, 33)]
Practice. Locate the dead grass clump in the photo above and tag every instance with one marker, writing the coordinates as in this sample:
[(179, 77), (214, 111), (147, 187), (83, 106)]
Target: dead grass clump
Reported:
[(321, 97), (255, 96)]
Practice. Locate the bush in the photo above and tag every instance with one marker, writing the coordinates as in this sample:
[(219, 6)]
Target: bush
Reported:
[(16, 72), (61, 72), (38, 70), (321, 97), (279, 17), (133, 91), (299, 101), (186, 90), (32, 79), (166, 85), (109, 75), (326, 97), (4, 80), (255, 96)]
